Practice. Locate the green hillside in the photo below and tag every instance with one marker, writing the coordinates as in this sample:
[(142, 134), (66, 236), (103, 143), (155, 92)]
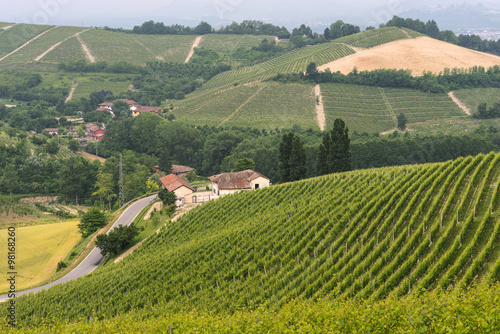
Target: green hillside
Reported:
[(365, 235), (374, 109), (264, 105), (270, 105), (17, 35)]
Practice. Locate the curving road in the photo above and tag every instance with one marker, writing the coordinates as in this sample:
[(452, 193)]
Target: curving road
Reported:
[(94, 259)]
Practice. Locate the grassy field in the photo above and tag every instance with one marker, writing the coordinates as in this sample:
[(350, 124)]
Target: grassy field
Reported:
[(472, 98), (68, 50), (87, 84), (265, 105), (38, 250), (374, 109)]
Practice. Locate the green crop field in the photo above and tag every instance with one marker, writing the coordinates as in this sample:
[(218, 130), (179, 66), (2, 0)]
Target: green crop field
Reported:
[(68, 50), (39, 250), (118, 84), (36, 48), (294, 61), (374, 109), (374, 37), (136, 49), (265, 105), (472, 98), (19, 34), (227, 44), (213, 109), (352, 236)]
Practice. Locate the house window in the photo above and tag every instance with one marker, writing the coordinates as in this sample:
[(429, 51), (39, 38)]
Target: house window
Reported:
[(256, 186)]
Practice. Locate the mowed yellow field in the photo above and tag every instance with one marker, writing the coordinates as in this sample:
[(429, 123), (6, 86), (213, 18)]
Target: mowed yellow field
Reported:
[(418, 55), (38, 250)]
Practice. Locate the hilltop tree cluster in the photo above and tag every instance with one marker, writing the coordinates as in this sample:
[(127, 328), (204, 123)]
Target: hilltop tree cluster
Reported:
[(431, 29)]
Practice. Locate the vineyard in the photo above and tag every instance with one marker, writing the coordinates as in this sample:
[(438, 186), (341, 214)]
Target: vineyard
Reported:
[(294, 61), (473, 97), (362, 235), (37, 47), (17, 35), (265, 105), (374, 37), (374, 109)]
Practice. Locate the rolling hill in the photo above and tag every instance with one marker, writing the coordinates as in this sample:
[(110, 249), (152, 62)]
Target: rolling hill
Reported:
[(418, 55), (367, 234)]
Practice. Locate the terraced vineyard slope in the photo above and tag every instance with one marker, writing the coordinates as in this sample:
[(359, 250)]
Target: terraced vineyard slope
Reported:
[(364, 235)]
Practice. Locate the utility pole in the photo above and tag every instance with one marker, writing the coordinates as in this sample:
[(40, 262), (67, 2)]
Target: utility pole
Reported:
[(121, 193)]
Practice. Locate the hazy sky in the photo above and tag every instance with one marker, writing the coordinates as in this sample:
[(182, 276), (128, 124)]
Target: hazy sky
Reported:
[(127, 13)]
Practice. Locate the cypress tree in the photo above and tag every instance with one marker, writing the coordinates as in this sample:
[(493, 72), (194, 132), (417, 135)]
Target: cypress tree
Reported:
[(334, 152), (292, 159)]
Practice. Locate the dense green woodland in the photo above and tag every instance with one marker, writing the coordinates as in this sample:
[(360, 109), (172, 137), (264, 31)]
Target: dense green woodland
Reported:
[(343, 238)]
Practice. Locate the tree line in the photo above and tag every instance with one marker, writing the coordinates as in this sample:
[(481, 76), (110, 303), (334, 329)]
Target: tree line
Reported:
[(431, 29), (447, 80)]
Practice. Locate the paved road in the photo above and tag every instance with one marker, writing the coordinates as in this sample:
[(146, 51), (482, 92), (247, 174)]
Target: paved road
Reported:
[(94, 258)]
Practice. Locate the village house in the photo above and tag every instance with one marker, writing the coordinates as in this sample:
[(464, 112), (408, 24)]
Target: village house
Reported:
[(177, 185), (93, 131), (52, 131), (229, 183), (136, 108)]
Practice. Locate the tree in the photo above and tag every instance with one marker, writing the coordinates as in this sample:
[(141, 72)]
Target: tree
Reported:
[(402, 122), (203, 28), (77, 177), (334, 152), (292, 160), (165, 163), (74, 145), (244, 164), (151, 186), (121, 108), (91, 221), (117, 239), (311, 71), (167, 197), (52, 147)]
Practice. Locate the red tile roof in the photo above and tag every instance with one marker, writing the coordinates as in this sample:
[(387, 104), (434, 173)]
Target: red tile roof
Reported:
[(236, 180), (178, 169), (172, 182)]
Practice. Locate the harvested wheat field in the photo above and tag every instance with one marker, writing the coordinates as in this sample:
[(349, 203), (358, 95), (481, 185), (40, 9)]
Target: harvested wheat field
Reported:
[(418, 55)]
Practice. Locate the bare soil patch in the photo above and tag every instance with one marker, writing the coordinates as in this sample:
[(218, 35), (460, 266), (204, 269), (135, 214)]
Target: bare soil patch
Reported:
[(459, 103), (85, 48), (92, 157), (320, 111), (73, 88), (418, 55)]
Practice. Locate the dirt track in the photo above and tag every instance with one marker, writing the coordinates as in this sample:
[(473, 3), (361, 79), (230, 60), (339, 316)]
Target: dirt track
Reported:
[(418, 55), (320, 111), (195, 45)]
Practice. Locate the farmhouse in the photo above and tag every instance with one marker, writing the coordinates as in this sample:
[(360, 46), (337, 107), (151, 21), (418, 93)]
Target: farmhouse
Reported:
[(228, 183), (136, 108), (52, 131), (177, 185)]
